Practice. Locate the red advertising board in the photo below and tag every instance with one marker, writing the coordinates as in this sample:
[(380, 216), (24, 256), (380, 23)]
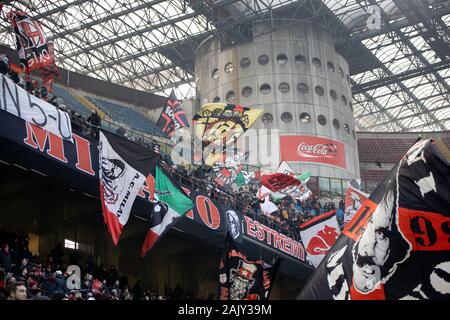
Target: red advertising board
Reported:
[(312, 149)]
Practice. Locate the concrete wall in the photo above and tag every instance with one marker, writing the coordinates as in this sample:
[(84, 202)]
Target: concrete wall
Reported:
[(301, 44)]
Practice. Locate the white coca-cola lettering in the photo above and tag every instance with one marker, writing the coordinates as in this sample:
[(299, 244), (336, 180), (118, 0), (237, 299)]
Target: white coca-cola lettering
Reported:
[(314, 150)]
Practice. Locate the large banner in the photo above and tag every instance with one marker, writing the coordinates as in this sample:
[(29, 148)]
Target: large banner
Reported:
[(312, 149), (20, 103), (319, 235), (169, 206), (228, 169), (397, 245), (217, 217), (286, 185), (222, 219)]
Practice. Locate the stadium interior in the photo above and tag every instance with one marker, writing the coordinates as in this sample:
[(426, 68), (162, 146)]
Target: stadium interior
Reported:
[(121, 60)]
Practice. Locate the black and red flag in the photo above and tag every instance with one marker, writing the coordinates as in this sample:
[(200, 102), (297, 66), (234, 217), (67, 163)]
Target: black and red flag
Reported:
[(397, 244), (172, 116), (30, 40), (124, 166), (241, 278)]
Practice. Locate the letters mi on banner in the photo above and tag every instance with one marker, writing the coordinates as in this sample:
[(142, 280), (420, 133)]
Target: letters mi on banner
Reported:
[(312, 149)]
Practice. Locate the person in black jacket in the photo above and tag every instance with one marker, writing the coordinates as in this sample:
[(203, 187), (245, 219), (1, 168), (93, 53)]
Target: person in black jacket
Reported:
[(95, 120), (5, 258)]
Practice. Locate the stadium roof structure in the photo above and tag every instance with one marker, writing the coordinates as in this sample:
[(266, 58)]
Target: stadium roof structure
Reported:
[(399, 70)]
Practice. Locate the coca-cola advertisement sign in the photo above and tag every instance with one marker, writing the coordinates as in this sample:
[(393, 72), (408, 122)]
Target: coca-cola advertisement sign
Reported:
[(313, 149)]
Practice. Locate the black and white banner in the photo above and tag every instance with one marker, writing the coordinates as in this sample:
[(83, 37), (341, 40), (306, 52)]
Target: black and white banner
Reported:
[(124, 166), (397, 245), (20, 103)]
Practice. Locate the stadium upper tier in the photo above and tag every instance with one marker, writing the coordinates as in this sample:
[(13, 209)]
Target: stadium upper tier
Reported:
[(133, 119), (71, 101), (388, 148)]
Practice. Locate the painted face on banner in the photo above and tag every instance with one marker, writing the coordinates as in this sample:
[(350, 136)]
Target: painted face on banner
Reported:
[(113, 171), (241, 280), (376, 252), (234, 223)]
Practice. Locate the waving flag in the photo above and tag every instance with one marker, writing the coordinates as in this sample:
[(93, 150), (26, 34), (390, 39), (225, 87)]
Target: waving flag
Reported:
[(354, 198), (396, 246), (227, 171), (172, 116), (319, 235), (170, 206), (286, 185), (267, 206), (31, 44), (219, 125), (302, 193), (243, 279), (124, 166)]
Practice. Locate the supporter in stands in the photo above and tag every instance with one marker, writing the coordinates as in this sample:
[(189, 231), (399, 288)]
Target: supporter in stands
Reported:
[(60, 283), (5, 257), (6, 70), (95, 120), (35, 88), (43, 94), (16, 291), (120, 131), (4, 64)]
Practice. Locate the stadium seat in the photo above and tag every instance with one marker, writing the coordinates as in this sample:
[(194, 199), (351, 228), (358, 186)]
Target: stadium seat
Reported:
[(70, 101), (133, 119)]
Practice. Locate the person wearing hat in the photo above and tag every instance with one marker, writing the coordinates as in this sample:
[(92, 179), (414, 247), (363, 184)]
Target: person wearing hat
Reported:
[(95, 120), (60, 283)]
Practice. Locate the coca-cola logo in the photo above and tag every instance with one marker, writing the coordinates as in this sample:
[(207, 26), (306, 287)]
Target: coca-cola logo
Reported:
[(318, 150)]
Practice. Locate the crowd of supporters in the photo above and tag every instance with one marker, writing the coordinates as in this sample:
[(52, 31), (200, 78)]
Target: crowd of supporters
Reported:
[(24, 276), (287, 219)]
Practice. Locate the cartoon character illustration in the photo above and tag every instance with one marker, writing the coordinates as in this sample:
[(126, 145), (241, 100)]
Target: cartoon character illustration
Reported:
[(242, 280), (113, 172), (352, 209), (234, 223)]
